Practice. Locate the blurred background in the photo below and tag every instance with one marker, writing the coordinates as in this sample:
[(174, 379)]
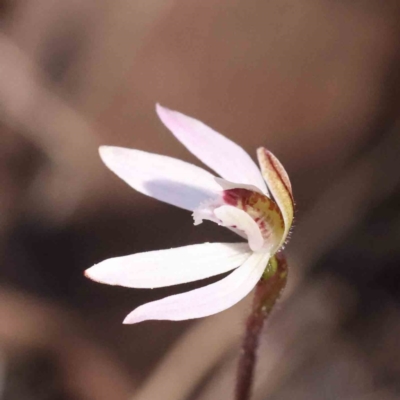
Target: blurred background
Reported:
[(315, 81)]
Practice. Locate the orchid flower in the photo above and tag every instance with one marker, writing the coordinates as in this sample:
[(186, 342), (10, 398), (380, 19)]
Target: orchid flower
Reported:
[(257, 204)]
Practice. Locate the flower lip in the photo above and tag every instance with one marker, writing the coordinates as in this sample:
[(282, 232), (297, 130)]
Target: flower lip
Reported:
[(233, 217), (264, 211), (252, 214)]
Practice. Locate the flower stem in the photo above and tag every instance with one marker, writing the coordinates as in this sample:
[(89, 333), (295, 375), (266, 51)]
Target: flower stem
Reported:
[(266, 294)]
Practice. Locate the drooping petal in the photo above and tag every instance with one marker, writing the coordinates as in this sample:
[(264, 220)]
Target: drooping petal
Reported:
[(219, 153), (164, 178), (279, 185), (207, 300), (233, 217), (170, 267)]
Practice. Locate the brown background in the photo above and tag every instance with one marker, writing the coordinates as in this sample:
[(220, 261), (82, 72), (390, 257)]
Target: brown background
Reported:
[(315, 81)]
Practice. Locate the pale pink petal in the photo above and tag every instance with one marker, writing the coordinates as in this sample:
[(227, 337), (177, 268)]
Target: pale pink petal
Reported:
[(207, 300), (219, 153), (170, 267), (233, 217), (279, 185), (164, 178), (228, 185)]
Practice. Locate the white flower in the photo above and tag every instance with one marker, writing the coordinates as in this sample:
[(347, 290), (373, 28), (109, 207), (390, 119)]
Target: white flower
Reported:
[(239, 201)]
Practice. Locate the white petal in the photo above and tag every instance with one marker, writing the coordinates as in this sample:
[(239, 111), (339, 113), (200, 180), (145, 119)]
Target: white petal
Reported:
[(235, 218), (207, 300), (219, 153), (170, 267), (164, 178), (228, 185)]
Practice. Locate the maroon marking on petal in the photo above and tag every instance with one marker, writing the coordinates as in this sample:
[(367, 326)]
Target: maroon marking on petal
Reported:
[(258, 206), (277, 169), (233, 197)]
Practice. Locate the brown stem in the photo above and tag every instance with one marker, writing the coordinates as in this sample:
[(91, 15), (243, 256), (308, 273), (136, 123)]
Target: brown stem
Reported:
[(266, 294)]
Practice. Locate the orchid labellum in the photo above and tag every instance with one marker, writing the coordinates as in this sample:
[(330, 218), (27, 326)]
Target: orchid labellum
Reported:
[(256, 203)]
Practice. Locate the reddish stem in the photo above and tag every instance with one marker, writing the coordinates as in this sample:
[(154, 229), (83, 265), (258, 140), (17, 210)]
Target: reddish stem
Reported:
[(266, 294)]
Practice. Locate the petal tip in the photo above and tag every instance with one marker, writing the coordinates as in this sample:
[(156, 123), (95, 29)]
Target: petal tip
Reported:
[(158, 107), (99, 273), (104, 148), (89, 274), (106, 152), (262, 151), (132, 318), (162, 111), (92, 274)]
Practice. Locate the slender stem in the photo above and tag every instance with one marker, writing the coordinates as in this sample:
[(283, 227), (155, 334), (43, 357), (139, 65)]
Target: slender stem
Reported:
[(267, 292)]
